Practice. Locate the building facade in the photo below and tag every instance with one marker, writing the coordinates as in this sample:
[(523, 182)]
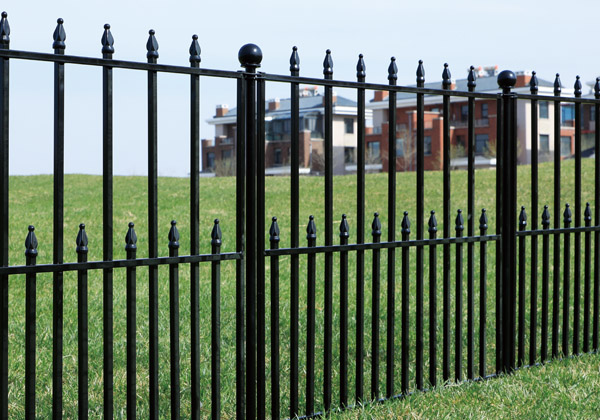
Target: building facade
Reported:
[(485, 125), (220, 151)]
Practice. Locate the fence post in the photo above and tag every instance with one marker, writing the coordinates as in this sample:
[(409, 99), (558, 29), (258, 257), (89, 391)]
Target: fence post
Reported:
[(508, 196), (250, 57)]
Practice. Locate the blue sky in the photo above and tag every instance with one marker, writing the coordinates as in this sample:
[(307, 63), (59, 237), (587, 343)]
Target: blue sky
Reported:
[(549, 37)]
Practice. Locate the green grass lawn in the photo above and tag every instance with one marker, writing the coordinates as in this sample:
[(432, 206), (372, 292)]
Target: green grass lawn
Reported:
[(31, 203)]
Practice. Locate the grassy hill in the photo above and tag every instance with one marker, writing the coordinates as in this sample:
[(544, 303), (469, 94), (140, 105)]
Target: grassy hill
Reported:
[(31, 203)]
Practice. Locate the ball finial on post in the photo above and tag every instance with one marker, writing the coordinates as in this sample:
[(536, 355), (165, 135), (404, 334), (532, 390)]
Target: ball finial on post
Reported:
[(250, 56), (507, 80)]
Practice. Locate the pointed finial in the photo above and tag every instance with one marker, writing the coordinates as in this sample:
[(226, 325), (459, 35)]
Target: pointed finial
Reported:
[(432, 222), (446, 77), (31, 243), (344, 228), (4, 29), (311, 229), (459, 221), (195, 50), (152, 45), (483, 221), (60, 35), (577, 87), (328, 64), (82, 240), (173, 235), (471, 83), (587, 214), (522, 218), (392, 70), (597, 88), (533, 84), (130, 238), (567, 214), (361, 69), (405, 224), (557, 87), (107, 41), (546, 217), (420, 74), (216, 234), (294, 60), (274, 230), (376, 225)]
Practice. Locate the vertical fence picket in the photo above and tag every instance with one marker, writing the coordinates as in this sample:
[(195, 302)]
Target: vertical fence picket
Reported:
[(31, 253), (459, 222), (174, 320), (596, 316), (152, 56), (533, 88), (261, 369), (375, 305), (215, 328), (432, 301), (328, 305), (4, 209), (556, 237), (107, 217), (391, 262), (587, 217), (521, 330), (295, 235), (446, 84), (405, 304), (344, 234), (483, 226), (195, 227), (545, 282), (420, 193), (275, 374), (131, 250), (311, 237), (577, 236), (498, 271), (471, 83), (360, 231), (82, 325), (58, 217), (566, 281)]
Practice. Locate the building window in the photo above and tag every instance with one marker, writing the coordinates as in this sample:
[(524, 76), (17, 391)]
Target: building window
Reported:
[(373, 150), (543, 109), (226, 154), (400, 147), (567, 115), (349, 156), (484, 111), (349, 125), (278, 158), (593, 113), (544, 143), (287, 126), (210, 160), (481, 143), (464, 112), (565, 146), (427, 145)]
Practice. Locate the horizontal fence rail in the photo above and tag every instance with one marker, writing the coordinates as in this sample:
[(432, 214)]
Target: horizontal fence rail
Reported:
[(336, 318)]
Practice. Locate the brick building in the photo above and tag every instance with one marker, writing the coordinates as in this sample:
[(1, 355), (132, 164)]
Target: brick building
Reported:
[(278, 135), (485, 125)]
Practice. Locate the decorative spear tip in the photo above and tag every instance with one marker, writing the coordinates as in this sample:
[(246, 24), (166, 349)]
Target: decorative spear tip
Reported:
[(151, 32), (393, 69), (106, 26), (274, 230), (82, 226), (311, 229), (4, 15), (195, 50), (328, 64), (344, 228), (294, 48), (376, 214), (31, 228), (195, 37), (60, 21), (152, 45), (131, 225), (587, 214), (405, 223), (59, 36), (420, 72), (107, 41), (216, 234), (81, 240), (31, 242), (274, 219), (328, 51), (577, 86), (294, 60), (311, 217), (432, 222), (360, 56)]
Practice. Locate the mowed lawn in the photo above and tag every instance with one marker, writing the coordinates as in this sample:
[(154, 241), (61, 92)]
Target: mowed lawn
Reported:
[(565, 384)]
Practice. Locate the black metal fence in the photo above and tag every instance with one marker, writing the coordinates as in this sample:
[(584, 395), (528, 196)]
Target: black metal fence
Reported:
[(256, 393)]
